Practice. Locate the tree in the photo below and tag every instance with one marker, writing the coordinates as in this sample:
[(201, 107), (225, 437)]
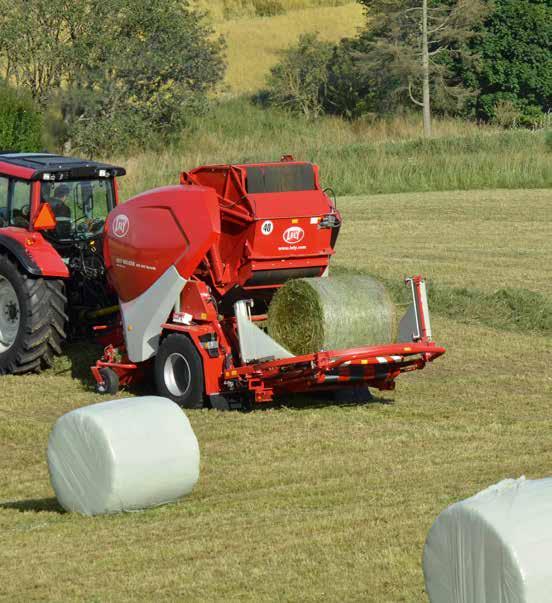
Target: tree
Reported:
[(37, 42), (297, 82), (121, 71), (515, 60), (154, 68), (408, 46)]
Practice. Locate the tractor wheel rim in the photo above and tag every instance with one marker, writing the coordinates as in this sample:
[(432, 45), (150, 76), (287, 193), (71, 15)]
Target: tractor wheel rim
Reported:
[(177, 374), (10, 315)]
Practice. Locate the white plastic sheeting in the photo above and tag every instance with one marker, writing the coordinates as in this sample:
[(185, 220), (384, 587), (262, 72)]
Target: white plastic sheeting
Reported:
[(495, 547), (122, 455)]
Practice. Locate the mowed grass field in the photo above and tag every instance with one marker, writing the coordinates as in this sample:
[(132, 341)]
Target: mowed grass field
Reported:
[(311, 501)]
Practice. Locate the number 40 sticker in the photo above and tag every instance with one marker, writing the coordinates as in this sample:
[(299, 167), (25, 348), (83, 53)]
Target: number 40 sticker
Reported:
[(267, 227)]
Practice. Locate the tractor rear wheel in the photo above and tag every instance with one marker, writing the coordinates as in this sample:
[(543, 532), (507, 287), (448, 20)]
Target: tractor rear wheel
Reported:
[(32, 320), (179, 371)]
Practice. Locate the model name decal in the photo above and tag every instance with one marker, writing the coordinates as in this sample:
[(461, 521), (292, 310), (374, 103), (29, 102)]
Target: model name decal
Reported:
[(133, 264)]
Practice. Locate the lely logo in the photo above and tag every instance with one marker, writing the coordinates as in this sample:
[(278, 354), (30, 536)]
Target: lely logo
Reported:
[(294, 234), (120, 225)]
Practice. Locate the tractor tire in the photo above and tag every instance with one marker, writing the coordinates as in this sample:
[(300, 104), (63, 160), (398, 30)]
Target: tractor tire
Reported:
[(32, 320), (179, 371)]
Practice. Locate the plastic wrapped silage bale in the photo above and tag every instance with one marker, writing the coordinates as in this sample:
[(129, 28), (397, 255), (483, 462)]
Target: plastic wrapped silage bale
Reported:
[(122, 455), (495, 547), (311, 314)]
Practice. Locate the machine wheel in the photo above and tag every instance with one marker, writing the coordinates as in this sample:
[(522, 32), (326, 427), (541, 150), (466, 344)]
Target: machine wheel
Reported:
[(32, 320), (353, 395), (179, 372), (110, 384)]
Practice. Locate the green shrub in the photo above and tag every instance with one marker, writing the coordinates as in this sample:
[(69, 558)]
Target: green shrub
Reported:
[(506, 114), (348, 91), (297, 83), (20, 121)]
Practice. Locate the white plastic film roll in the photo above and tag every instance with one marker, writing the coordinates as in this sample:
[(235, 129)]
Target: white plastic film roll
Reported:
[(122, 455), (495, 547)]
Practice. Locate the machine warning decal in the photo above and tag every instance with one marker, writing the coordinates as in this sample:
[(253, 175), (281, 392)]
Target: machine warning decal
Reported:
[(267, 227), (293, 235), (120, 225)]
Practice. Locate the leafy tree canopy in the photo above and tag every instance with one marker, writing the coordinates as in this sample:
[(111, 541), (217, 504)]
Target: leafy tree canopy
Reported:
[(120, 70), (393, 56), (514, 59)]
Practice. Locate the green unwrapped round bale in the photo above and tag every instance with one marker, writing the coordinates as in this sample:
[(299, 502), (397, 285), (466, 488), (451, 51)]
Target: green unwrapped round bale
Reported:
[(312, 314)]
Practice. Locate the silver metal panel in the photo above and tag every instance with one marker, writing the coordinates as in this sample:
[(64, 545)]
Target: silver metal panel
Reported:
[(254, 342), (408, 326), (143, 316)]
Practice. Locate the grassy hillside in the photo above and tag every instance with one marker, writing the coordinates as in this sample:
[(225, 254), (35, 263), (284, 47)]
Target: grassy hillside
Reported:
[(359, 157), (312, 501), (254, 42), (223, 10)]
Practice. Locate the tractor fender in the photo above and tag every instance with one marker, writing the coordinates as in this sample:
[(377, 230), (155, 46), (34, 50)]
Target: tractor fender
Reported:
[(33, 252)]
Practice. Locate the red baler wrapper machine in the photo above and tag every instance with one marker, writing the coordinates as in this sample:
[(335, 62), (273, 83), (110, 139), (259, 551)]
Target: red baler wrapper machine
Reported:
[(195, 258)]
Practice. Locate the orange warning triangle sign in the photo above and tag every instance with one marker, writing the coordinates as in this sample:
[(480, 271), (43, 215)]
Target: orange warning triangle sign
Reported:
[(45, 219)]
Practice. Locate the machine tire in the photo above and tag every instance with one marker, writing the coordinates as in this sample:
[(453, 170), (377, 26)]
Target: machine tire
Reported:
[(353, 395), (110, 384), (179, 371), (32, 315)]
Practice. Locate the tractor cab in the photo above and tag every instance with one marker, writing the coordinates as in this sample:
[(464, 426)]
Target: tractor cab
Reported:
[(79, 207), (52, 271), (64, 198)]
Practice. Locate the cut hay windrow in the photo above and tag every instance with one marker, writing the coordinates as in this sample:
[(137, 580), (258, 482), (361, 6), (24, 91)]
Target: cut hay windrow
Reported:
[(308, 315)]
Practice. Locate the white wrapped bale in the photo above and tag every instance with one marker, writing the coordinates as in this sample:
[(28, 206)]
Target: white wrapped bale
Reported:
[(122, 455), (495, 547)]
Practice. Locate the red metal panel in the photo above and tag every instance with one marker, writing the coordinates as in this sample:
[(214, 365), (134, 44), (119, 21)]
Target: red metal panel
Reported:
[(195, 300), (9, 169), (174, 225), (264, 231), (38, 250)]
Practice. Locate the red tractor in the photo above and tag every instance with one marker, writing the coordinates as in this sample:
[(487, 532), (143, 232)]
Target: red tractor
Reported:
[(177, 271), (52, 273)]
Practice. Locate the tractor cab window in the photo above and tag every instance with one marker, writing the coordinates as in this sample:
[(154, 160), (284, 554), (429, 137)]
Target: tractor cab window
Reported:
[(80, 206), (4, 184), (15, 202), (20, 206)]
